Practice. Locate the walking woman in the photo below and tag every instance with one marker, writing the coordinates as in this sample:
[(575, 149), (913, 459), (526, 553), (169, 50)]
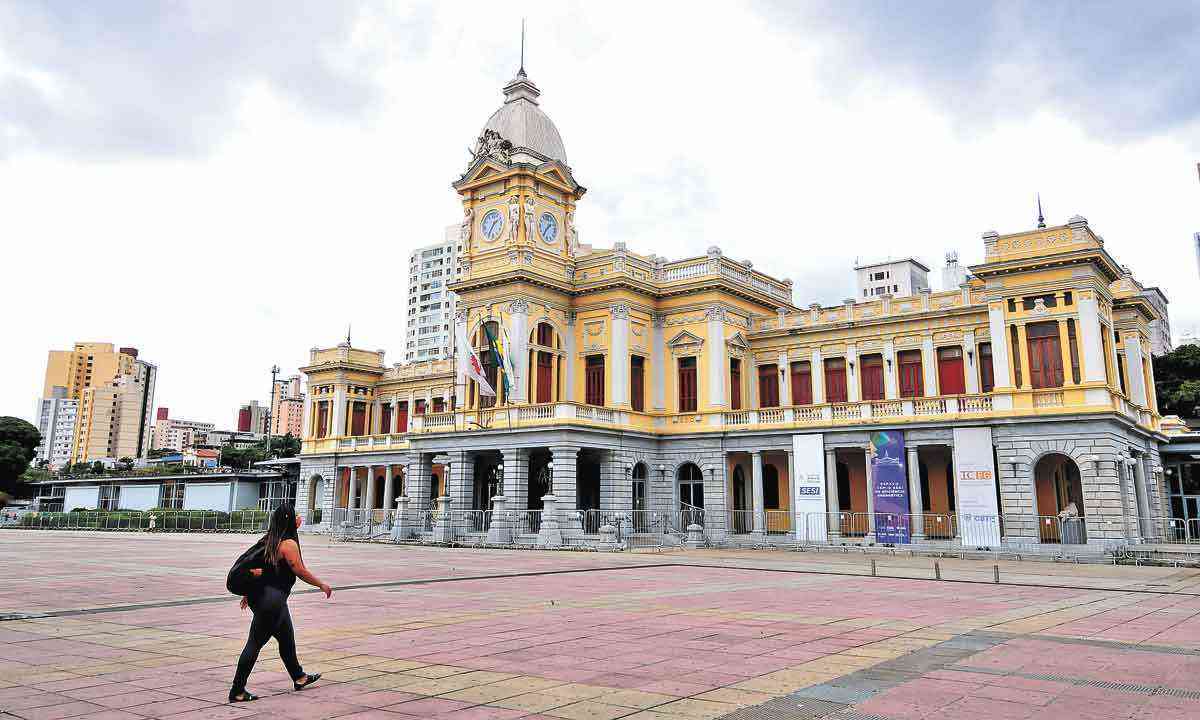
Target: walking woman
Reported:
[(282, 565)]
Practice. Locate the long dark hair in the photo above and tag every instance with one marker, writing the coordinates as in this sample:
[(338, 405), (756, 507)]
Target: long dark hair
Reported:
[(282, 527)]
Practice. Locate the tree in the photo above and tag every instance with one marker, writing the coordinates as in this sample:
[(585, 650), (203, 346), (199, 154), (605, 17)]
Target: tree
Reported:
[(1177, 381), (285, 446), (125, 463), (160, 452), (240, 458), (97, 467), (18, 441)]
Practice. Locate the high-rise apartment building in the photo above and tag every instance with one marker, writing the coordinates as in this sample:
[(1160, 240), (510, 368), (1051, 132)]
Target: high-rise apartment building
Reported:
[(252, 417), (56, 416), (287, 407), (430, 305), (114, 394), (178, 434)]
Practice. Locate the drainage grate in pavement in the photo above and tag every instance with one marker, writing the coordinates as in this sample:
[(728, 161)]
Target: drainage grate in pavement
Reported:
[(787, 708)]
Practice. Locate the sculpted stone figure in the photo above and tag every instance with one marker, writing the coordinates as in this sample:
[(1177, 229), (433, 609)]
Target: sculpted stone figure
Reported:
[(464, 230), (514, 217), (572, 236), (529, 219)]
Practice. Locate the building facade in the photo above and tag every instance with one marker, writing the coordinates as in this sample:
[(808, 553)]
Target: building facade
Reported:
[(252, 417), (287, 407), (114, 392), (56, 418), (431, 271), (695, 393), (893, 277), (178, 434)]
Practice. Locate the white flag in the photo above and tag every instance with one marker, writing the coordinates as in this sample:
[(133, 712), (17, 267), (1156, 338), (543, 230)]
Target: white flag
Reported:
[(469, 365)]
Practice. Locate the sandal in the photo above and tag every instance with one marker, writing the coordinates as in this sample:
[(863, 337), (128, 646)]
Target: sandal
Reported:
[(309, 680), (243, 696)]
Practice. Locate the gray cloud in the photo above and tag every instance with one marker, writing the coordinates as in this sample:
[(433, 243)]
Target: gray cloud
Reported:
[(118, 78), (1123, 70)]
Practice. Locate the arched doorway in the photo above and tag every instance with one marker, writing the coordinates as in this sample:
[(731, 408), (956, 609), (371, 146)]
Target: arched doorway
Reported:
[(316, 489), (741, 502), (1058, 491), (488, 483), (691, 494), (774, 522)]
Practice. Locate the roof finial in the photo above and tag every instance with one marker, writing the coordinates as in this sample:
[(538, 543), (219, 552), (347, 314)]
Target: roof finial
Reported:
[(521, 71), (347, 333), (1041, 218)]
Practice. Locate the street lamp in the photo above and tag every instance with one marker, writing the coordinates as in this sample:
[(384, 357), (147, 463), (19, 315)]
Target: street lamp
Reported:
[(270, 407)]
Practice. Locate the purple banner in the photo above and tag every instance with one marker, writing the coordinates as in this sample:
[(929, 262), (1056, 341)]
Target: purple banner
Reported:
[(890, 483)]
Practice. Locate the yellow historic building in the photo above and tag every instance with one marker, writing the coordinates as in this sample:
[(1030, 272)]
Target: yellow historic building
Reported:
[(649, 395)]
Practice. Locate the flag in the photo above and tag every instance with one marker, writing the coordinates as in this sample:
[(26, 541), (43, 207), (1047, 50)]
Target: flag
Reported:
[(500, 356), (470, 366)]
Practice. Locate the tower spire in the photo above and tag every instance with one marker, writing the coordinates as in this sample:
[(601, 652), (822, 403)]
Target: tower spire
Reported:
[(1041, 218), (521, 70), (347, 333)]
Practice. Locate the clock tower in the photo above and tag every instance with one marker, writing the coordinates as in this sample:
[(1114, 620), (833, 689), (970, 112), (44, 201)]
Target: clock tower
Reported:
[(518, 194)]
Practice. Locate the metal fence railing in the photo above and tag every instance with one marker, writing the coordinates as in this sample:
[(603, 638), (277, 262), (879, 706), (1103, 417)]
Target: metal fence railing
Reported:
[(584, 526)]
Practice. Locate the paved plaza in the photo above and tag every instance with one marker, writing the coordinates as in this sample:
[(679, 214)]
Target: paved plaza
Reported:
[(129, 626)]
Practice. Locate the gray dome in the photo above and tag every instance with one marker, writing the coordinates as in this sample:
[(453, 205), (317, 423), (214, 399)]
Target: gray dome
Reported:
[(521, 122)]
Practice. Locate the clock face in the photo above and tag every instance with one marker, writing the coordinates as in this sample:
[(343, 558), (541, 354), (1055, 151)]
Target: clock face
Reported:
[(492, 224), (548, 227)]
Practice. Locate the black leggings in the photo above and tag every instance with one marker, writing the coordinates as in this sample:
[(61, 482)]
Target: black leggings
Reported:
[(271, 620)]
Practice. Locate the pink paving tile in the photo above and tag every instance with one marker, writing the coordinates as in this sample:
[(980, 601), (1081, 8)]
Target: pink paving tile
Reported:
[(428, 707)]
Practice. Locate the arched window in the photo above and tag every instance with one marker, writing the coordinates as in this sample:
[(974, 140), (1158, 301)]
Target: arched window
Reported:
[(543, 380), (691, 486), (491, 371)]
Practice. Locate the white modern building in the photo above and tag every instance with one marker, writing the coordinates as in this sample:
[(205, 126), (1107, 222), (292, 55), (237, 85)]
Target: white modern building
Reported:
[(431, 306), (56, 422), (953, 274), (220, 491), (899, 278)]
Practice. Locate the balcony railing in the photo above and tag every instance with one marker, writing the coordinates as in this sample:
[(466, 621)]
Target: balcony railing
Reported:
[(862, 412)]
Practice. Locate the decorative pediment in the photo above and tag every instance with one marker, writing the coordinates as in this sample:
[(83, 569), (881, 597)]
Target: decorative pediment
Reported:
[(685, 343), (737, 345)]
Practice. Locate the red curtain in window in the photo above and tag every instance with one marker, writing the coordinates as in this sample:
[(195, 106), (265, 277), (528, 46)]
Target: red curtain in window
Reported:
[(872, 377), (439, 405), (950, 371), (735, 384), (593, 378), (322, 418), (1045, 355), (385, 418), (768, 386), (687, 384), (912, 384), (402, 417), (801, 383), (545, 375), (987, 378), (637, 383), (358, 419), (420, 408), (835, 380)]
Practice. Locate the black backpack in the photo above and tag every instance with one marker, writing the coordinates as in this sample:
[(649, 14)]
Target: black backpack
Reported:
[(239, 581)]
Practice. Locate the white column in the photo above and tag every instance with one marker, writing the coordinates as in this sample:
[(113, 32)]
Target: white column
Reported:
[(999, 338), (916, 503), (307, 430), (658, 363), (1145, 523), (891, 385), (389, 484), (412, 408), (1091, 344), (368, 501), (519, 335), (355, 495), (569, 359), (1133, 368), (717, 357), (818, 377), (970, 362), (853, 383), (833, 503), (392, 426), (870, 491), (785, 381), (619, 356), (929, 366), (339, 411), (756, 475)]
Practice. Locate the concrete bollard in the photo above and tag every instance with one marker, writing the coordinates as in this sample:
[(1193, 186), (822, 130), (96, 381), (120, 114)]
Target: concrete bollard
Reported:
[(695, 536)]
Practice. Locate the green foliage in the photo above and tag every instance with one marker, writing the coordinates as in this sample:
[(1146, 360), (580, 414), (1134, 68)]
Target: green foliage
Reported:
[(285, 447), (18, 440), (80, 468), (1177, 381), (125, 464), (97, 467), (159, 452)]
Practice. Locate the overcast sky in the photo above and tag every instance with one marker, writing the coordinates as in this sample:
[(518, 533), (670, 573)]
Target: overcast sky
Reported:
[(225, 185)]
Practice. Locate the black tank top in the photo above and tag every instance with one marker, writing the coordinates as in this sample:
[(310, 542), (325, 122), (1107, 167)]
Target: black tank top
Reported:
[(279, 575)]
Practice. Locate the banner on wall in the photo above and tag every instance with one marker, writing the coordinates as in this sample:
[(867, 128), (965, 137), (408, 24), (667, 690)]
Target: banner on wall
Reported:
[(890, 487), (808, 459), (975, 475)]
